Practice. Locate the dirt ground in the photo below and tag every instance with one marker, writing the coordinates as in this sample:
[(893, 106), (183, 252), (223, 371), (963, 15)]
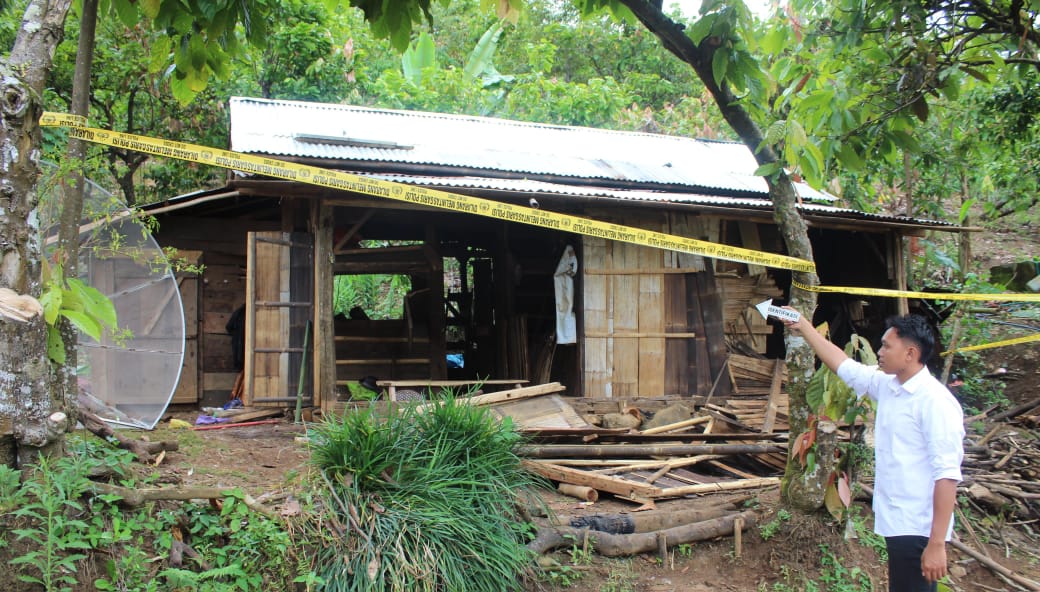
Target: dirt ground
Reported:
[(267, 461)]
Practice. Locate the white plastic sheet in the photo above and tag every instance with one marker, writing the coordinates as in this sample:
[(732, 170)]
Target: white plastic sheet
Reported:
[(563, 279)]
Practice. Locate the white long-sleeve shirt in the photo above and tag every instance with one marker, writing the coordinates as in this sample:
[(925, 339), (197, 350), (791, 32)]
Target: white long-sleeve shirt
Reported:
[(918, 439)]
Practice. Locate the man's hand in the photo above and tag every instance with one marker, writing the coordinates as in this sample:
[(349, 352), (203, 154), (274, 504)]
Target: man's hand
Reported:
[(933, 561), (830, 354), (799, 325)]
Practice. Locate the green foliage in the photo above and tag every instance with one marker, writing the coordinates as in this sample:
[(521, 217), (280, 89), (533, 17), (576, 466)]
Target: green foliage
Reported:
[(11, 494), (54, 511), (71, 299), (421, 56), (380, 296), (428, 499), (867, 536), (835, 577), (65, 528), (830, 397), (771, 528)]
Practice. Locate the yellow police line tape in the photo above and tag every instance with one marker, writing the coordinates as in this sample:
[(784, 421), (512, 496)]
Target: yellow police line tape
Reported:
[(272, 167), (1015, 341), (887, 293), (77, 126)]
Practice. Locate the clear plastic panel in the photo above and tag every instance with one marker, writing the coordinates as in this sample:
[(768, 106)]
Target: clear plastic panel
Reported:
[(130, 374)]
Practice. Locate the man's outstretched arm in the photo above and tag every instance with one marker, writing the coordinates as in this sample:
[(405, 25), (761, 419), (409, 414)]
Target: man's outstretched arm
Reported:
[(831, 355)]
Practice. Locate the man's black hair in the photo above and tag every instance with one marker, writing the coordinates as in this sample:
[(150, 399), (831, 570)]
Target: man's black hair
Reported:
[(915, 329)]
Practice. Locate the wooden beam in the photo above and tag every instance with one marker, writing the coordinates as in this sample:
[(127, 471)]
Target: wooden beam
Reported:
[(641, 271), (353, 230), (641, 335), (324, 362)]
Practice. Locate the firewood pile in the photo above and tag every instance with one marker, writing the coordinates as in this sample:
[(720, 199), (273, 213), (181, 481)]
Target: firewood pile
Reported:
[(1002, 467)]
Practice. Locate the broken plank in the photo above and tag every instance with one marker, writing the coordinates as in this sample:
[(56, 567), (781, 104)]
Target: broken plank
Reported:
[(503, 396), (606, 483), (255, 415)]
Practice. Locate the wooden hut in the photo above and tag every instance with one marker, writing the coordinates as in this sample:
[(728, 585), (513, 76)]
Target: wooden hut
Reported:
[(650, 323)]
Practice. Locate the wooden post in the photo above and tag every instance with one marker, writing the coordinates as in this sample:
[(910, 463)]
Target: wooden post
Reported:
[(662, 547), (899, 272), (324, 328), (738, 530), (438, 350)]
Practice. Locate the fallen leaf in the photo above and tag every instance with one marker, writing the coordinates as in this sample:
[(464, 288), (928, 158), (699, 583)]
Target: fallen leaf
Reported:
[(844, 492)]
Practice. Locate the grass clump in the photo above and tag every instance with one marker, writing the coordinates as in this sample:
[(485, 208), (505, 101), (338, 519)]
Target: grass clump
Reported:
[(420, 501)]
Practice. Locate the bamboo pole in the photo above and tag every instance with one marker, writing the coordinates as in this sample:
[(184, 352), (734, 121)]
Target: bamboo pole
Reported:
[(677, 425), (720, 486), (629, 450)]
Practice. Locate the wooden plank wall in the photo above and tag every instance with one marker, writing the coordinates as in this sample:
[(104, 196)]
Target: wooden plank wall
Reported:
[(623, 318), (656, 323)]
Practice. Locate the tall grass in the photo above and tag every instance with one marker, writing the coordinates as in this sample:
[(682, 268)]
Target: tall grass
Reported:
[(421, 502)]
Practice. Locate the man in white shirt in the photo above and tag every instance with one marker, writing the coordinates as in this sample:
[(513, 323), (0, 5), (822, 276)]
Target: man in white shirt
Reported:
[(918, 448)]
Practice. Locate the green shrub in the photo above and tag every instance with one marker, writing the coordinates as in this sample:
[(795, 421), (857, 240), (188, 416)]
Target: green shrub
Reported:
[(421, 501)]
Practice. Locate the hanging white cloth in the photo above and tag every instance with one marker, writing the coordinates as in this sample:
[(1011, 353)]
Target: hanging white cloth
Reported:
[(563, 278)]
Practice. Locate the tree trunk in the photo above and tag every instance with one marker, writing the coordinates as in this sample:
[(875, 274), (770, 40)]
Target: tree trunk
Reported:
[(30, 388), (800, 490), (618, 545)]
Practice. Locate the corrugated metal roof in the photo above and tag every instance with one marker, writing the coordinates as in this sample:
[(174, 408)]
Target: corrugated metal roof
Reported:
[(541, 187), (358, 134)]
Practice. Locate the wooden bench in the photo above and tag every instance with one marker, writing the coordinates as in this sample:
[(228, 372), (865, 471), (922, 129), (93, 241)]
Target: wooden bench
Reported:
[(391, 386)]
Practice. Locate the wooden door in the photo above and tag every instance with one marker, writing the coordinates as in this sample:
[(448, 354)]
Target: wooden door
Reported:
[(279, 293), (188, 283)]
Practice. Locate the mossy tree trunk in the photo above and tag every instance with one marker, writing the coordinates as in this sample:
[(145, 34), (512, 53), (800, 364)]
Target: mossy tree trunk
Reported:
[(31, 388), (801, 490)]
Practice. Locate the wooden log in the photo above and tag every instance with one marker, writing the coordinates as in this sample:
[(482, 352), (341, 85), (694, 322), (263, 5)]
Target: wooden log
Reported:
[(134, 498), (582, 492), (618, 545), (144, 451), (630, 450), (648, 521), (1016, 410), (995, 567)]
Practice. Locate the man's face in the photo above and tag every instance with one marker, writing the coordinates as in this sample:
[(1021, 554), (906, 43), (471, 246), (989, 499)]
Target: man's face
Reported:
[(896, 354)]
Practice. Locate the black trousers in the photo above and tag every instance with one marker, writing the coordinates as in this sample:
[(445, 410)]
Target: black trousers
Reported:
[(904, 564)]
